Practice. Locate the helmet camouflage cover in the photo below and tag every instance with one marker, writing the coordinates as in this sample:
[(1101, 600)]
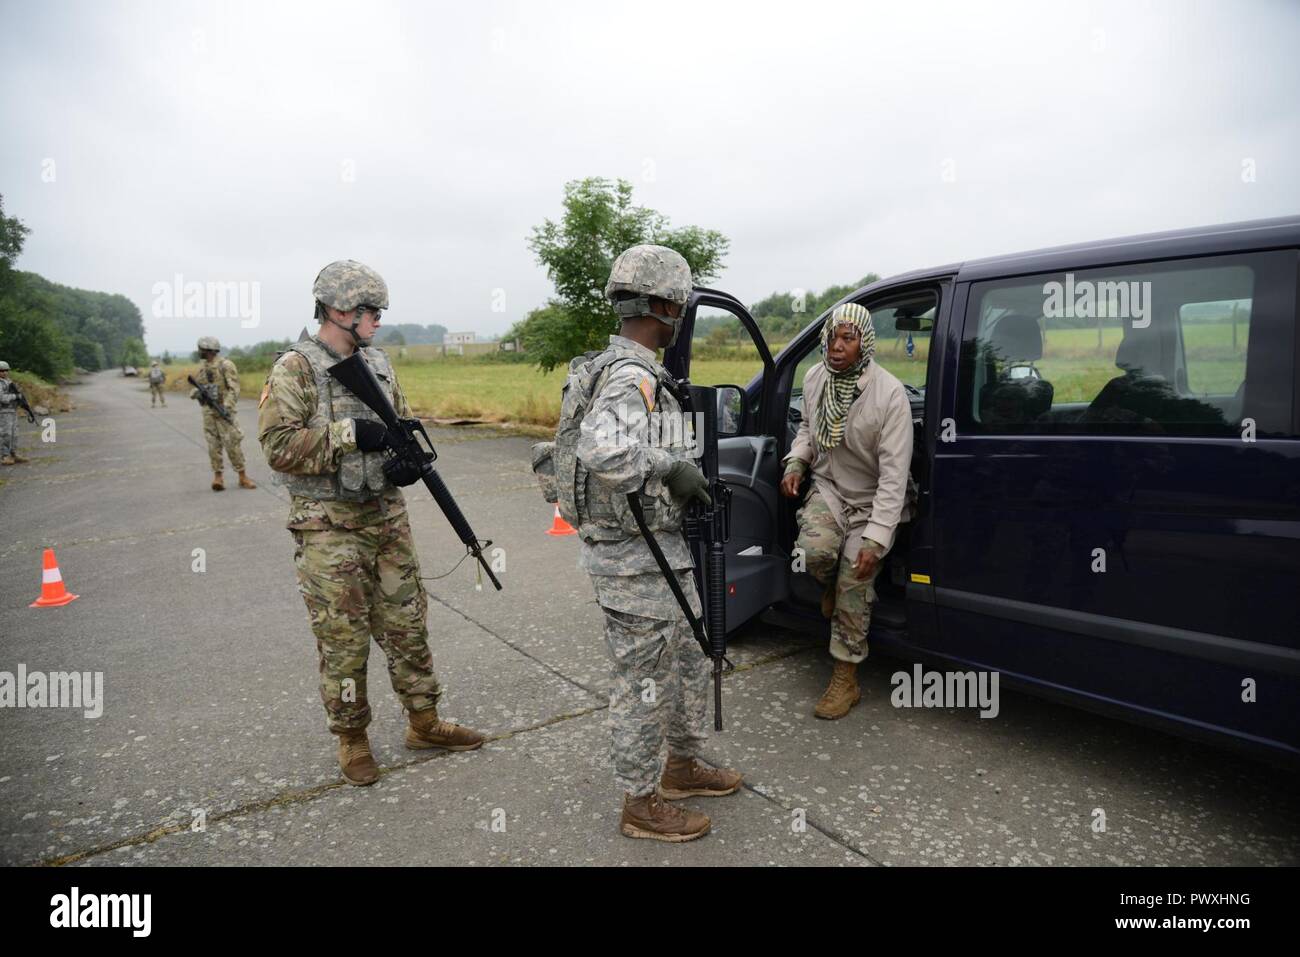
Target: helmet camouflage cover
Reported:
[(209, 342), (346, 284), (648, 271), (4, 367)]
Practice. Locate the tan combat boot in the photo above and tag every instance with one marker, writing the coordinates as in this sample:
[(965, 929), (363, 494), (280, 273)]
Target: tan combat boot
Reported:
[(218, 483), (355, 760), (652, 817), (687, 777), (7, 460), (841, 694), (245, 481), (427, 731)]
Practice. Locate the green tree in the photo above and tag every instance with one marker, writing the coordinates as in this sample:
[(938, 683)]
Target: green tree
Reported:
[(598, 223), (12, 236), (30, 340), (88, 354), (134, 353)]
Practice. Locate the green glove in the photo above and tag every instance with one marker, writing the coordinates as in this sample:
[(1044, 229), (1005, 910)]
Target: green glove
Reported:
[(685, 481)]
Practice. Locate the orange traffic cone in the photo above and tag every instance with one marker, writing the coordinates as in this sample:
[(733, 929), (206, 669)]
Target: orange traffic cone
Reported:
[(52, 591), (560, 526)]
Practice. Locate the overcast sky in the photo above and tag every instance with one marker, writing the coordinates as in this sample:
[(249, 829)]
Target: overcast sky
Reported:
[(255, 142)]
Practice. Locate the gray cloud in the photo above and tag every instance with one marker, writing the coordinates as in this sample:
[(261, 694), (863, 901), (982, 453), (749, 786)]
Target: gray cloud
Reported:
[(211, 140)]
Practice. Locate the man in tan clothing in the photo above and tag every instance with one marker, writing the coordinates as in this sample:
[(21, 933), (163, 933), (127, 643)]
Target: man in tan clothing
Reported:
[(856, 437)]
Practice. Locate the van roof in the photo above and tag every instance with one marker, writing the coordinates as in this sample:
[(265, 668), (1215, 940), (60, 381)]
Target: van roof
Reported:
[(1282, 232), (1256, 234)]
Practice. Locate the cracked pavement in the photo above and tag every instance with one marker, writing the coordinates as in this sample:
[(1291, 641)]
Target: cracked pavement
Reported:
[(211, 714)]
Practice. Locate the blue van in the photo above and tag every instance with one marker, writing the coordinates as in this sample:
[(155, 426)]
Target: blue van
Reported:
[(1107, 468)]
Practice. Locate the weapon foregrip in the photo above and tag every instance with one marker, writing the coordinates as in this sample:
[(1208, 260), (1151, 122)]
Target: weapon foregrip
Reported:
[(442, 495)]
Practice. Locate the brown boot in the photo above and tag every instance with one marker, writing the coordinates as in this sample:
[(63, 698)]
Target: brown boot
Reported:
[(21, 458), (245, 481), (828, 601), (7, 460), (841, 694), (355, 760), (652, 817), (427, 731), (218, 483), (687, 777)]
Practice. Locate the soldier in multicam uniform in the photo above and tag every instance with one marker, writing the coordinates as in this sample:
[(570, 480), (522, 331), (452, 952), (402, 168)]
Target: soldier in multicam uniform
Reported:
[(856, 437), (660, 675), (357, 567), (8, 420), (156, 380), (221, 374)]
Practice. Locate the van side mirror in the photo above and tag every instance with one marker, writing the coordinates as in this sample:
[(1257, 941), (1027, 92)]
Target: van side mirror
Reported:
[(730, 409)]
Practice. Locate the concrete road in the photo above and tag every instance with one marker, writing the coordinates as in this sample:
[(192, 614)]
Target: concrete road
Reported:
[(211, 747)]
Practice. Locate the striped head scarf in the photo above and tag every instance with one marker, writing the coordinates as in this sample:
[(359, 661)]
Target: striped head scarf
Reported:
[(838, 392)]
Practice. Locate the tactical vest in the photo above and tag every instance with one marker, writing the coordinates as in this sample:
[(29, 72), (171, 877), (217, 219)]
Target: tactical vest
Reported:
[(360, 475), (599, 513), (214, 374)]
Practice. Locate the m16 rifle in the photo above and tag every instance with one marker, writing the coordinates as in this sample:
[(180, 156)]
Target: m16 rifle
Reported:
[(707, 528), (208, 397), (22, 401), (407, 453)]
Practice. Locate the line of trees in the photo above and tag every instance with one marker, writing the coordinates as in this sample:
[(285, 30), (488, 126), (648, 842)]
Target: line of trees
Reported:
[(49, 329)]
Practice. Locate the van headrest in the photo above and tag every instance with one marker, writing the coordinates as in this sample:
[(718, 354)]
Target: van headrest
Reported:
[(1017, 338)]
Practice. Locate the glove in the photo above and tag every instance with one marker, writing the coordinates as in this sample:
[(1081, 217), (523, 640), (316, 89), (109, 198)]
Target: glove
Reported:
[(685, 481), (370, 435), (401, 472)]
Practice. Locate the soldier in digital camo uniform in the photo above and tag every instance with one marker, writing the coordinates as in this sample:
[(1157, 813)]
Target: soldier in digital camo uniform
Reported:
[(157, 378), (357, 567), (221, 377), (660, 675), (8, 420)]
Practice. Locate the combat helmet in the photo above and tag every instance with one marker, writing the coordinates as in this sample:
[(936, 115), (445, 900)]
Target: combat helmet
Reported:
[(649, 271), (209, 342), (4, 366), (346, 284)]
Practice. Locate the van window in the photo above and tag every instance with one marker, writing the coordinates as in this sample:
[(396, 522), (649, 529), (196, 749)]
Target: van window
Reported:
[(1150, 349)]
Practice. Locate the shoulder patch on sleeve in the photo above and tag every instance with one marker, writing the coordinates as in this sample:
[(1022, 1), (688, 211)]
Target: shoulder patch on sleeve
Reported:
[(266, 390), (646, 386)]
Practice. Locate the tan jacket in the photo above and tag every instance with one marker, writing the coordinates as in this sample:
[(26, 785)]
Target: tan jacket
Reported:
[(864, 479)]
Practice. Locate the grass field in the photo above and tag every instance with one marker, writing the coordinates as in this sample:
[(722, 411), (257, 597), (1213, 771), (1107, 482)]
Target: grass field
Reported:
[(515, 392)]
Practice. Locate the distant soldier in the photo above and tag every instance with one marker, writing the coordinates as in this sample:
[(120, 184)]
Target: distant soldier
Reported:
[(156, 380), (660, 675), (357, 568), (221, 379), (8, 419)]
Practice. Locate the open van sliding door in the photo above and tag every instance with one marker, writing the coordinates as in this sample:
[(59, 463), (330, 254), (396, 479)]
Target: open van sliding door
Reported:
[(748, 457)]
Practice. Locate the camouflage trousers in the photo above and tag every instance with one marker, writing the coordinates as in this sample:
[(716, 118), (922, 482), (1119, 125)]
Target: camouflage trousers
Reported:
[(222, 434), (8, 433), (359, 583), (828, 560), (156, 393), (660, 677)]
